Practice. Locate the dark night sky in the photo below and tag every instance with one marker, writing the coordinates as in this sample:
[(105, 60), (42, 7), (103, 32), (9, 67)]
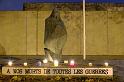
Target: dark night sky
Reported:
[(18, 4)]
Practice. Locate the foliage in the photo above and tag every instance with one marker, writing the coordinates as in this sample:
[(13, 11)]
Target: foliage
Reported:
[(57, 78), (16, 79)]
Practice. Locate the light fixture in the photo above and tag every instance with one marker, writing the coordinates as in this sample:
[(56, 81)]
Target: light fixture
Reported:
[(56, 63), (10, 63), (72, 62), (45, 61), (39, 63), (106, 64), (25, 63), (90, 64), (66, 61)]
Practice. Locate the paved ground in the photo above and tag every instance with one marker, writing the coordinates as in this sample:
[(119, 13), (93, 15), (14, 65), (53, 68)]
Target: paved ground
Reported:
[(118, 64)]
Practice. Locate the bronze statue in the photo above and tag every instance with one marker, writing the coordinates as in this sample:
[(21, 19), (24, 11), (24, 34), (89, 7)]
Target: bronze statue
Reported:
[(55, 36)]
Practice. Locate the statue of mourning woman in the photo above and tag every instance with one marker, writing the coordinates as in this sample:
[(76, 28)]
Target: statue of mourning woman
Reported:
[(55, 36)]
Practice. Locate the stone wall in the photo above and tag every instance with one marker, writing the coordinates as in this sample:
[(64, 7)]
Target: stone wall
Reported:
[(22, 32)]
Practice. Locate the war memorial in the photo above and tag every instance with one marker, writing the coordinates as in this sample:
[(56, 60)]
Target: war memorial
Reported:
[(62, 42)]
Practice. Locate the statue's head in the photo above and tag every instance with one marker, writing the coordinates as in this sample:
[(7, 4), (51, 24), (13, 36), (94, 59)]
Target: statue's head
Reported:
[(55, 13)]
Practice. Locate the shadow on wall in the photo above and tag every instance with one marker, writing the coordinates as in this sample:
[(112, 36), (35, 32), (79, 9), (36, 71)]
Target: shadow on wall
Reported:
[(2, 50)]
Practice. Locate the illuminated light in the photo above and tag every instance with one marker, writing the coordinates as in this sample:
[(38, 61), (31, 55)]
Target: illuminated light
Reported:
[(106, 63), (65, 61), (45, 61), (72, 63), (10, 63), (25, 63), (90, 64), (39, 63), (56, 63)]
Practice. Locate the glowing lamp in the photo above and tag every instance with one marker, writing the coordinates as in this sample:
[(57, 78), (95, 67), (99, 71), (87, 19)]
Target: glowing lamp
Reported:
[(39, 63), (72, 63), (25, 63), (65, 61), (10, 63), (56, 63), (106, 64), (90, 64), (45, 61)]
